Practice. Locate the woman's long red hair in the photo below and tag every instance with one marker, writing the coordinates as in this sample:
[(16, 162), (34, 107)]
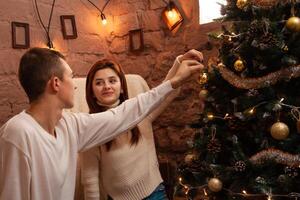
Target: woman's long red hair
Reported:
[(94, 107)]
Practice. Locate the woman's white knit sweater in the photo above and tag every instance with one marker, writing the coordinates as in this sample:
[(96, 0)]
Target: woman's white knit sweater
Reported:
[(126, 172)]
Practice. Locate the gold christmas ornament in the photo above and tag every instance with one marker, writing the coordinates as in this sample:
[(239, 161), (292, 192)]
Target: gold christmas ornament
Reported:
[(203, 78), (188, 159), (293, 24), (280, 131), (203, 94), (241, 3), (239, 65), (215, 185)]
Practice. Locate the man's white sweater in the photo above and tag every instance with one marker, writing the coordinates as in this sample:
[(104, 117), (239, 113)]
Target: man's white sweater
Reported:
[(35, 165)]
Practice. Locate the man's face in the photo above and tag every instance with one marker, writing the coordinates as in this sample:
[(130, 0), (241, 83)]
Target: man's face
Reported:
[(66, 91)]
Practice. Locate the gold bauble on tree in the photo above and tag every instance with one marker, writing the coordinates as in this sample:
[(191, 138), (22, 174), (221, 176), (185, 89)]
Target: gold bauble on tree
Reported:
[(203, 94), (203, 78), (215, 184), (293, 24), (239, 65), (279, 131), (241, 3), (188, 159)]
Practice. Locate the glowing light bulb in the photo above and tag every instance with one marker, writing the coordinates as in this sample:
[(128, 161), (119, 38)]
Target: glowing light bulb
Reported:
[(251, 111), (103, 18), (171, 14), (210, 116)]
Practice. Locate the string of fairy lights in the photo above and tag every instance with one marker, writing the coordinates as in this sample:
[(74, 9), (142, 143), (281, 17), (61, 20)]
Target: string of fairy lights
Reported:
[(243, 193)]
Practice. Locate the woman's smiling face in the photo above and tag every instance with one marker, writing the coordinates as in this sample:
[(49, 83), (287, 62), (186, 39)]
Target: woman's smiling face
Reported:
[(106, 86)]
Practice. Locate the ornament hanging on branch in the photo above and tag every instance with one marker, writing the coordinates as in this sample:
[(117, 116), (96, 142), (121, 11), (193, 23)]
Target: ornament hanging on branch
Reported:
[(215, 184), (203, 78), (239, 65), (189, 158), (293, 23), (279, 131), (240, 166), (203, 94)]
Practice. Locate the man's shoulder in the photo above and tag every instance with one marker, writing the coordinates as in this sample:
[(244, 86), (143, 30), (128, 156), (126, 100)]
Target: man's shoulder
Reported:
[(15, 127)]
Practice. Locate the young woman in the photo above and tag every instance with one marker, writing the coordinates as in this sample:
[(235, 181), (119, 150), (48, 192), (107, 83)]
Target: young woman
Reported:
[(126, 167)]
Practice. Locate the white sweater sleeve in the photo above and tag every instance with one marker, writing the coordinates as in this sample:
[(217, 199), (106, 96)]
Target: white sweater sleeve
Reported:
[(90, 173), (15, 174), (96, 129)]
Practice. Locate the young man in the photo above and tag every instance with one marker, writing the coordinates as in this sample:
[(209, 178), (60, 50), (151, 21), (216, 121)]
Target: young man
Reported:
[(39, 146)]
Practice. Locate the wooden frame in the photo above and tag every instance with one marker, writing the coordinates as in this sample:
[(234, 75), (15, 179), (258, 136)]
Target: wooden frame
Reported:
[(26, 43), (136, 40), (67, 35)]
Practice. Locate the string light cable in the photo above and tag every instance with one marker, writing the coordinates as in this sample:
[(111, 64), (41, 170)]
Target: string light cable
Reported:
[(243, 193), (46, 29), (103, 18)]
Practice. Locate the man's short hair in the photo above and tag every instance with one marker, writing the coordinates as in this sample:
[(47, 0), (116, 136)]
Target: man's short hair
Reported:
[(36, 68)]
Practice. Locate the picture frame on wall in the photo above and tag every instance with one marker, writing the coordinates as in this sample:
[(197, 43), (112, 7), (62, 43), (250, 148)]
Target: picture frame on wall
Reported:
[(20, 35), (68, 26), (136, 40)]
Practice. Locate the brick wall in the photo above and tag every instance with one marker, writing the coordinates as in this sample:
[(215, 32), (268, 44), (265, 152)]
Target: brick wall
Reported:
[(96, 41)]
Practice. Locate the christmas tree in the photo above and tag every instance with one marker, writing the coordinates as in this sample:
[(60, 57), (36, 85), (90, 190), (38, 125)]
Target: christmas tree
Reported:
[(247, 140)]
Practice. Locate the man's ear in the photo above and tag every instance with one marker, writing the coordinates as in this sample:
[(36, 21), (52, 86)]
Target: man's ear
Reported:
[(54, 83)]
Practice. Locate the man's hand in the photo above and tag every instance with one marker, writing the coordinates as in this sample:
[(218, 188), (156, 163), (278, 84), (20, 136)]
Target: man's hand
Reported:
[(192, 55), (185, 70)]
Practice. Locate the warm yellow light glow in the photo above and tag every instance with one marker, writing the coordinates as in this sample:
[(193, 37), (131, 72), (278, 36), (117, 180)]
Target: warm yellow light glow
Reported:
[(244, 192), (204, 191), (103, 18), (180, 179), (210, 116), (104, 21), (269, 197), (251, 111), (172, 16)]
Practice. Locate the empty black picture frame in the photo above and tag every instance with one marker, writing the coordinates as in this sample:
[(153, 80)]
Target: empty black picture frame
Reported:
[(26, 43), (136, 40), (66, 35)]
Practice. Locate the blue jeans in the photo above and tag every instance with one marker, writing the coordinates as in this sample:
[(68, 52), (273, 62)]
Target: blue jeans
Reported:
[(158, 194)]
